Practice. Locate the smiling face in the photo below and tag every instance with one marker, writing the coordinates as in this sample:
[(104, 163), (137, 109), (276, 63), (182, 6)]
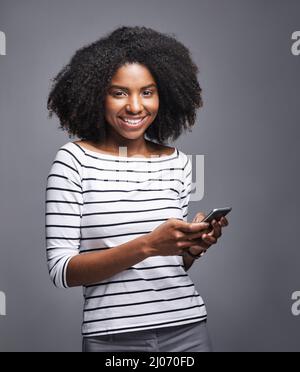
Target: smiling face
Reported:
[(131, 103)]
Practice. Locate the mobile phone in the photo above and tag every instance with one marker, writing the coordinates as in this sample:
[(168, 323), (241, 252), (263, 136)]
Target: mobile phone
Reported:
[(216, 214)]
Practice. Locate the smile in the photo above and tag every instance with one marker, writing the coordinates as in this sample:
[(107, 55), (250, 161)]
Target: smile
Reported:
[(133, 123)]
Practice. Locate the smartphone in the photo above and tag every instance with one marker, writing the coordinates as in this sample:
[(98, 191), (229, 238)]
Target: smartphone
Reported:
[(216, 214)]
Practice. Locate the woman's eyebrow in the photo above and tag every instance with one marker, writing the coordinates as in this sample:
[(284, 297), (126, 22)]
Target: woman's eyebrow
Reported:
[(125, 88)]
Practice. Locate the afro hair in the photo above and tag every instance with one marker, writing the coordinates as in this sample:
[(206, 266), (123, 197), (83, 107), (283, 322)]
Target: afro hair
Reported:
[(79, 89)]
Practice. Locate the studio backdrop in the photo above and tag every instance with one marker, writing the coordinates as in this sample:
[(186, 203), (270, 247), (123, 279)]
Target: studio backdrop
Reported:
[(247, 135)]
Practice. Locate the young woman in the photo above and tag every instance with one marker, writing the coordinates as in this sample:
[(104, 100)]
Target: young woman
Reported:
[(117, 199)]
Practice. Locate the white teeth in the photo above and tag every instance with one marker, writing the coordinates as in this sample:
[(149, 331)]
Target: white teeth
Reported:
[(133, 122)]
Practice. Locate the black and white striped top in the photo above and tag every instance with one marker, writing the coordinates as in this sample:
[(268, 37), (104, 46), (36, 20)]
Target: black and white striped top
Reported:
[(95, 201)]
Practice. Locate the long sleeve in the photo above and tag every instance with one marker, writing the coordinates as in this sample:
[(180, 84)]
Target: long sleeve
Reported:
[(64, 200), (187, 187), (99, 201)]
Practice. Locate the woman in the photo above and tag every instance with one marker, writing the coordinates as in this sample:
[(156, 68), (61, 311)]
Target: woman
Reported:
[(117, 202)]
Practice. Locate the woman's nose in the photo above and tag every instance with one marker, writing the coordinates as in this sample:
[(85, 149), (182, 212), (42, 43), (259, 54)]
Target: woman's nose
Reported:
[(134, 105)]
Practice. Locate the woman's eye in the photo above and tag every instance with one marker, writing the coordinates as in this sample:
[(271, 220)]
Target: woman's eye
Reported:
[(118, 94), (147, 93)]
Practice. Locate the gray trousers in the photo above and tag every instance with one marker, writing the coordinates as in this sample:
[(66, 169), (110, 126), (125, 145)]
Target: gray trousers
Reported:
[(191, 337)]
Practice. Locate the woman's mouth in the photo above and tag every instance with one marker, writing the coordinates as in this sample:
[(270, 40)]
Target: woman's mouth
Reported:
[(130, 123)]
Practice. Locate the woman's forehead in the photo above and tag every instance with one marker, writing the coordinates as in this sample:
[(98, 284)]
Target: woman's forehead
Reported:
[(132, 74)]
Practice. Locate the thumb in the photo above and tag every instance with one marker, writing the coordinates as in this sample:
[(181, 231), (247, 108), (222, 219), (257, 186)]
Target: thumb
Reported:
[(199, 217), (193, 227)]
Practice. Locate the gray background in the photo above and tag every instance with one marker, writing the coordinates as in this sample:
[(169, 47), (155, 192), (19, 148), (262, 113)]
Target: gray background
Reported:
[(248, 131)]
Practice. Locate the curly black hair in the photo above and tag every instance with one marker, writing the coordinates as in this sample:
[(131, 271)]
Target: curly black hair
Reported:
[(78, 91)]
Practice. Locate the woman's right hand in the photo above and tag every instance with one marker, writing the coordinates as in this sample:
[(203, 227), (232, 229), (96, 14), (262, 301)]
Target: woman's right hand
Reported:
[(173, 237)]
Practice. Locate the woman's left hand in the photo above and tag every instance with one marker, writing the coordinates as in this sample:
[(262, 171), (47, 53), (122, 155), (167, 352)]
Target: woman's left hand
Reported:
[(209, 238)]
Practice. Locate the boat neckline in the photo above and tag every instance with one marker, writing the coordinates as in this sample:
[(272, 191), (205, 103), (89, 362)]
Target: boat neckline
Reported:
[(135, 158)]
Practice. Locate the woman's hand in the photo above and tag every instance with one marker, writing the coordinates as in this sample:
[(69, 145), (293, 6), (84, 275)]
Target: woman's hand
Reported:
[(173, 237), (209, 238)]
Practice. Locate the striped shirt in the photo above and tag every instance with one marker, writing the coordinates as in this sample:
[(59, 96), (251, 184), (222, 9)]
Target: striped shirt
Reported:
[(96, 201)]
